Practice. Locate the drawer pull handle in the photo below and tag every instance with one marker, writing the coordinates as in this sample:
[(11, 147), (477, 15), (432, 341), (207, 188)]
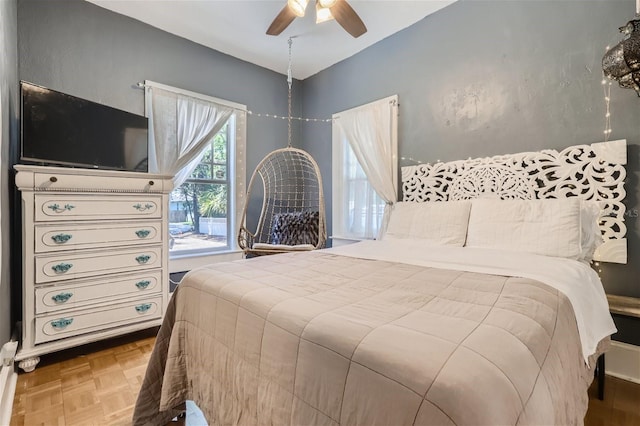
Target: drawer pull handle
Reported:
[(143, 284), (57, 209), (61, 238), (62, 297), (142, 208), (143, 233), (61, 268), (53, 179), (141, 309), (62, 323), (143, 258)]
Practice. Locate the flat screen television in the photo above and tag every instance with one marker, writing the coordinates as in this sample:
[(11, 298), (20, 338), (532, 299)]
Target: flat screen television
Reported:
[(60, 129)]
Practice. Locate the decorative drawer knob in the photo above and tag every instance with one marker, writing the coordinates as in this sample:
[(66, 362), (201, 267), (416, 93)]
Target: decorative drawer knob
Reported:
[(142, 208), (61, 268), (57, 209), (143, 258), (61, 323), (141, 309), (151, 183), (61, 238), (53, 179), (143, 284), (143, 233), (61, 297)]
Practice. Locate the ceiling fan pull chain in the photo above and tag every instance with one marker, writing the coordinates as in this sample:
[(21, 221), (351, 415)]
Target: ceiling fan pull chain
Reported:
[(289, 82)]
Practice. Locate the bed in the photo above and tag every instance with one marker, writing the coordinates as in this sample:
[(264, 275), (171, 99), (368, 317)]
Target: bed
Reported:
[(463, 313)]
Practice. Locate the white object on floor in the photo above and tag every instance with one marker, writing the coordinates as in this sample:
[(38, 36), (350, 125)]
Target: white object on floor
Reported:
[(194, 415), (8, 379)]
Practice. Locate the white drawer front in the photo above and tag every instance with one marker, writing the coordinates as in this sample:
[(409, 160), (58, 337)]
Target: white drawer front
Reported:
[(66, 236), (75, 183), (82, 293), (65, 266), (57, 326), (50, 207)]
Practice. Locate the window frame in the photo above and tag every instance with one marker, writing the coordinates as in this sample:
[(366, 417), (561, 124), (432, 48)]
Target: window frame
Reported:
[(340, 147), (340, 202), (238, 176), (237, 169), (228, 181)]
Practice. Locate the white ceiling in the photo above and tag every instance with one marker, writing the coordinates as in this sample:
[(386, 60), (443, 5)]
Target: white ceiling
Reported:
[(237, 28)]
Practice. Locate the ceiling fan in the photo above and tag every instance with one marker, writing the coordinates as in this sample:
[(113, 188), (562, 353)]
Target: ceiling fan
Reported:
[(326, 10)]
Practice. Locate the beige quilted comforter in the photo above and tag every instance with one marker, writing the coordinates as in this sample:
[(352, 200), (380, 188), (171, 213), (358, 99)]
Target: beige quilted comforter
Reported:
[(317, 338)]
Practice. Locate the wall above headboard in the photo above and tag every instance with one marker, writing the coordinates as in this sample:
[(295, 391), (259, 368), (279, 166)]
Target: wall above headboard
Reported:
[(514, 76), (590, 172)]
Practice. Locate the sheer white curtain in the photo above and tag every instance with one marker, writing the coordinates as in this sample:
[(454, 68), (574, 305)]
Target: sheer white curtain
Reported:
[(372, 133), (180, 127)]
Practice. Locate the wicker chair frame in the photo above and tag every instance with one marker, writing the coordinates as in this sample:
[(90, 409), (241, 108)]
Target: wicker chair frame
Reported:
[(291, 183)]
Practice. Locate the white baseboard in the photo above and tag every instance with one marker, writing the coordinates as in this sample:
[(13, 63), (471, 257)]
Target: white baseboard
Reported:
[(623, 361), (8, 379)]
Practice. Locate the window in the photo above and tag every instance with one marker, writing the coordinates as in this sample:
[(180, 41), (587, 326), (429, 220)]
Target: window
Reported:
[(358, 214), (361, 191), (200, 210), (200, 141)]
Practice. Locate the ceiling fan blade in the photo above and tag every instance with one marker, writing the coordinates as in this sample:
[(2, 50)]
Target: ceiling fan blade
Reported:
[(348, 18), (282, 21)]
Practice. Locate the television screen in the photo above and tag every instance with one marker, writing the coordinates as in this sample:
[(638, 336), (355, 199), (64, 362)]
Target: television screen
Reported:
[(60, 129)]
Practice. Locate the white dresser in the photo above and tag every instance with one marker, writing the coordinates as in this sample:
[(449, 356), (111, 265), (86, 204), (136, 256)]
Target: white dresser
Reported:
[(95, 256)]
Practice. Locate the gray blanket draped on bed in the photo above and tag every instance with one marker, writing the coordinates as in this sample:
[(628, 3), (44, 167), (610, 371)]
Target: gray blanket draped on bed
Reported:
[(317, 338)]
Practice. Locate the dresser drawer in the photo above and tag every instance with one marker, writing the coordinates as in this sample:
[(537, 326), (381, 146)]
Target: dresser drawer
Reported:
[(67, 236), (66, 266), (54, 207), (57, 180), (82, 292), (57, 326)]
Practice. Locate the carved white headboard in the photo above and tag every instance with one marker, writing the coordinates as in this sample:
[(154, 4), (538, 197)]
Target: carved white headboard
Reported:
[(592, 172)]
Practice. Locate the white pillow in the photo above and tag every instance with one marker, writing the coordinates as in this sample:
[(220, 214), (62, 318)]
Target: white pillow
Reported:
[(434, 223), (549, 227), (591, 237)]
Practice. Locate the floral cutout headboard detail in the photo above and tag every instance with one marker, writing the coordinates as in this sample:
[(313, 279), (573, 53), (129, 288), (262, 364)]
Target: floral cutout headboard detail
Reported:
[(591, 172)]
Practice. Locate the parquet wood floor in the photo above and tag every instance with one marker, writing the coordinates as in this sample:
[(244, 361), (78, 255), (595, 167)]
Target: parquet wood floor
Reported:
[(97, 384)]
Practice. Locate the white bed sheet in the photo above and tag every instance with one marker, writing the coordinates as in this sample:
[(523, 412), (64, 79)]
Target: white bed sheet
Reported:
[(575, 279)]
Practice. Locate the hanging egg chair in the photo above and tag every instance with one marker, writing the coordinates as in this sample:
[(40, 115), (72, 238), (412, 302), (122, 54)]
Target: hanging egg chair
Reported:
[(292, 217)]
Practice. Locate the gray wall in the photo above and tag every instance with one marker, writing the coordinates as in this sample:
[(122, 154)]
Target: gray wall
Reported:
[(480, 78), (8, 136), (87, 51)]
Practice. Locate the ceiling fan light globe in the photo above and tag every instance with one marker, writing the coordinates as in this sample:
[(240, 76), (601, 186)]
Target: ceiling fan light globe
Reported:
[(327, 3), (298, 6), (323, 14)]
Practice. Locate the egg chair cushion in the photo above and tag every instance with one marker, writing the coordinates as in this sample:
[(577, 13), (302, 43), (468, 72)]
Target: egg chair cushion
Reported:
[(295, 228)]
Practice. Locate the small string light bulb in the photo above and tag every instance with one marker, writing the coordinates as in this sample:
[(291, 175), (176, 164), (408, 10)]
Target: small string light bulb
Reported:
[(606, 87)]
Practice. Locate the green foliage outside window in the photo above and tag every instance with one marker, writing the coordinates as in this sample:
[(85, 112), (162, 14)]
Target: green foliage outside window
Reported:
[(205, 192)]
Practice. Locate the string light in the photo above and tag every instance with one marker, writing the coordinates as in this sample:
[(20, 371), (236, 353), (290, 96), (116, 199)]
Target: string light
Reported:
[(302, 4), (284, 117), (606, 87), (412, 159), (597, 265)]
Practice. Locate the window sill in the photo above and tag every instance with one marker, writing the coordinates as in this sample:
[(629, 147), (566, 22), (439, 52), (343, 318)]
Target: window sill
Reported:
[(339, 238), (337, 241)]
